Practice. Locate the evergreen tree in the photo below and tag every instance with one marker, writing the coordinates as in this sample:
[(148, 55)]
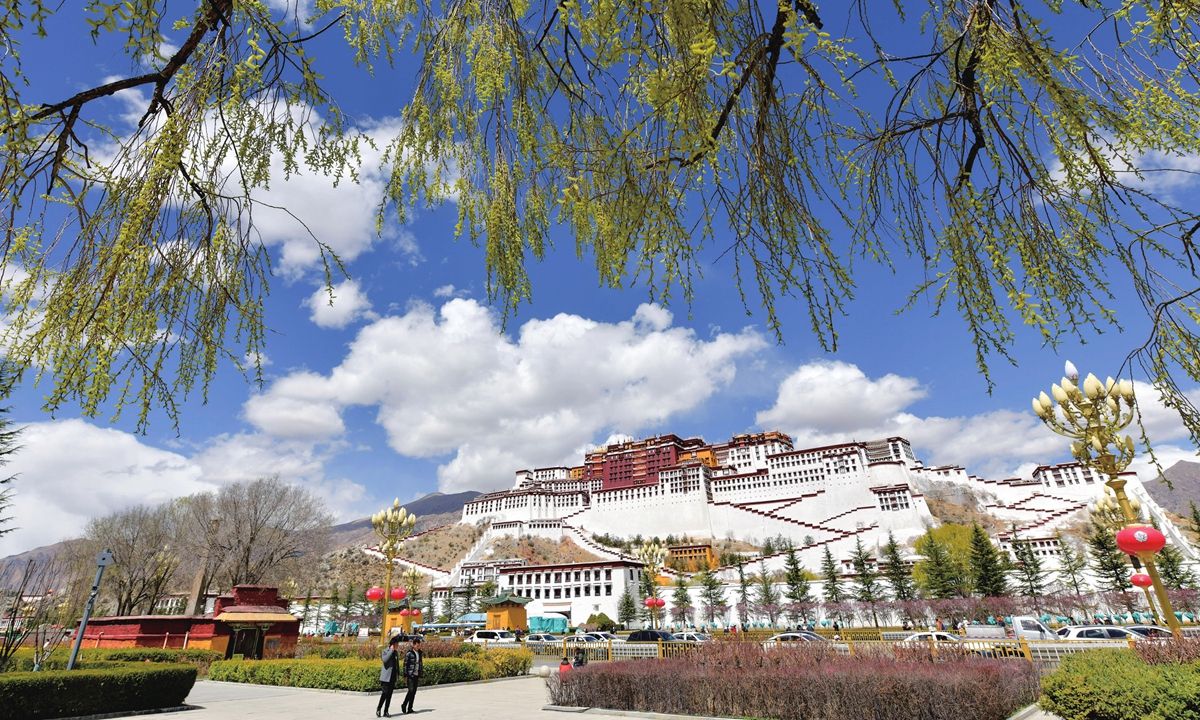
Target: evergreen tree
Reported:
[(831, 574), (469, 595), (1194, 525), (743, 595), (768, 596), (1109, 564), (348, 607), (942, 576), (897, 576), (488, 589), (1173, 569), (798, 589), (712, 592), (627, 609), (307, 608), (1072, 569), (335, 602), (681, 601), (986, 566), (1028, 571), (867, 587)]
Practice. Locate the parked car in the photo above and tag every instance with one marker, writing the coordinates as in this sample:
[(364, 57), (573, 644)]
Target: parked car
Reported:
[(581, 638), (482, 636), (1152, 632), (1030, 628), (797, 636), (606, 637), (539, 639), (937, 636), (1098, 632), (696, 637), (649, 636)]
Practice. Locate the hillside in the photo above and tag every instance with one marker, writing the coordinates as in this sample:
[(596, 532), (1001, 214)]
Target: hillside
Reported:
[(539, 551), (1185, 477), (432, 511)]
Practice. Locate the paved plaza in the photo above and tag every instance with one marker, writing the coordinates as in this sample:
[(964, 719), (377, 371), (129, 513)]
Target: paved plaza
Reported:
[(515, 699)]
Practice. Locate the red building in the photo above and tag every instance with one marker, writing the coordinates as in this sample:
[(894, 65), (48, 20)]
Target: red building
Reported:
[(253, 622)]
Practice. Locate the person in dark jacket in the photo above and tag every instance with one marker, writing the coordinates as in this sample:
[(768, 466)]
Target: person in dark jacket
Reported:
[(414, 670), (388, 676)]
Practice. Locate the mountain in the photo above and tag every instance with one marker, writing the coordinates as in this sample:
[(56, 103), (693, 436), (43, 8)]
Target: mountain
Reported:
[(432, 510), (1185, 477)]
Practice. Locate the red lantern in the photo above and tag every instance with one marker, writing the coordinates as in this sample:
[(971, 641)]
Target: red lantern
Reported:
[(1142, 580), (399, 593), (416, 611), (1137, 539), (375, 594), (660, 602), (404, 613), (649, 602)]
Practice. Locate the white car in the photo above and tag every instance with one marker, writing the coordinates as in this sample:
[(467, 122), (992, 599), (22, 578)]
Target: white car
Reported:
[(789, 638), (696, 637), (1153, 632), (482, 636), (606, 637), (538, 639), (937, 636), (1098, 632)]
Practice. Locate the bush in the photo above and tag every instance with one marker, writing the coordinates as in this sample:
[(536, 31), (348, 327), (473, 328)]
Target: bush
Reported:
[(359, 675), (22, 660), (469, 650), (1116, 684), (743, 680), (337, 651), (442, 648), (54, 694), (503, 662)]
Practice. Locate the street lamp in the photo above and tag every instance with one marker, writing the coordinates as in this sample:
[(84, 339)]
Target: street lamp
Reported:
[(652, 555), (1093, 416), (392, 525)]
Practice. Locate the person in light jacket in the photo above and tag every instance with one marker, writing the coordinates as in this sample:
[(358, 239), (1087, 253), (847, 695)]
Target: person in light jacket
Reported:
[(414, 670), (388, 675)]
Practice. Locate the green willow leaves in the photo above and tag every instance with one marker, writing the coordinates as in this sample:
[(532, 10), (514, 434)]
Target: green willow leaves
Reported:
[(1020, 160)]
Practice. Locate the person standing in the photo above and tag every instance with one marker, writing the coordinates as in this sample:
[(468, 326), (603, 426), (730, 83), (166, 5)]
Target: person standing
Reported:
[(388, 675), (414, 670)]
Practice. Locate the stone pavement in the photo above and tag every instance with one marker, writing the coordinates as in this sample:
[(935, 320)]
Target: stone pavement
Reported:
[(517, 699)]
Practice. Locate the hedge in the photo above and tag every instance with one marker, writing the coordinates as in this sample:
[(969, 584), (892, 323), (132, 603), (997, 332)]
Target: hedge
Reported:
[(360, 675), (1116, 684), (56, 694), (743, 680), (22, 660)]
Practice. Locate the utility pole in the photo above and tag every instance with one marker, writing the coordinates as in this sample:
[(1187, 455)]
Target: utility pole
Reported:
[(103, 560)]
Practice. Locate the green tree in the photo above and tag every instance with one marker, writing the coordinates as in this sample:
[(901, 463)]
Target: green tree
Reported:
[(767, 596), (1194, 524), (1072, 567), (804, 139), (831, 574), (335, 602), (349, 603), (1029, 572), (681, 601), (8, 447), (1173, 569), (469, 595), (627, 610), (867, 587), (307, 608), (745, 607), (894, 571), (940, 576), (1109, 564), (712, 594), (986, 566), (488, 589), (798, 589)]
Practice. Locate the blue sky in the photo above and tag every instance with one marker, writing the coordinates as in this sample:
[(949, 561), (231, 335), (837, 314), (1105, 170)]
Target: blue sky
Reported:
[(406, 385)]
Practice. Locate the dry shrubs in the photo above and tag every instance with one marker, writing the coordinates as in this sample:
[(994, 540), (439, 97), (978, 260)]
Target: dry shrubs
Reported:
[(743, 680), (1161, 652)]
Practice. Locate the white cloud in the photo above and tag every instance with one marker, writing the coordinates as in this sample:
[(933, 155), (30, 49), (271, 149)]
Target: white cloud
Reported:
[(447, 382), (826, 402), (444, 291), (106, 470), (349, 303)]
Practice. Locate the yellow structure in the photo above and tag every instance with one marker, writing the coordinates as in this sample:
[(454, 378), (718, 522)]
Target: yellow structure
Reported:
[(506, 612), (691, 558)]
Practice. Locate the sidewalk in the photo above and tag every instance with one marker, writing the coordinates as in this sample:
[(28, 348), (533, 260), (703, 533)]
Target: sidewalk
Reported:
[(520, 699)]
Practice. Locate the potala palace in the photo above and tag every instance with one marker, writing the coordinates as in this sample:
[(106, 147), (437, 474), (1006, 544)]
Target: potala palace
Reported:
[(750, 487)]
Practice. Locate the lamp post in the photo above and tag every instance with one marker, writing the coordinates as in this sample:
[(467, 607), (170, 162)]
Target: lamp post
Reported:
[(652, 555), (1093, 415), (392, 525)]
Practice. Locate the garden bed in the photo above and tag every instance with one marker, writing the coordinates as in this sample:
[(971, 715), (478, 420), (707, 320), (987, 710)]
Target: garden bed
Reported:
[(125, 687), (743, 680), (1160, 681)]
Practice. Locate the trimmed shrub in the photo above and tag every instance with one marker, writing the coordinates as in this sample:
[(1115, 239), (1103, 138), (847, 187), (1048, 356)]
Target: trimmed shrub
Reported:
[(22, 660), (358, 675), (743, 680), (469, 650), (442, 648), (504, 662), (1116, 684), (55, 694)]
